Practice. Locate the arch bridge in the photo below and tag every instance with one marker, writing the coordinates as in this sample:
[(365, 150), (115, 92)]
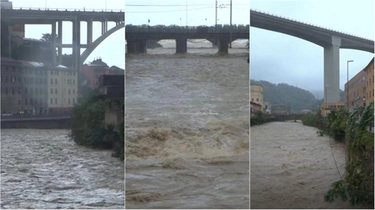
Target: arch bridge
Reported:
[(56, 17)]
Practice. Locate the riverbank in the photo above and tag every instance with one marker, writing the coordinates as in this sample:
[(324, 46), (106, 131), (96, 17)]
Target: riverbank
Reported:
[(293, 167)]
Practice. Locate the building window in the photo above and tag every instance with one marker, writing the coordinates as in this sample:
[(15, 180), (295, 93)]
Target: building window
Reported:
[(13, 79), (55, 100), (26, 101), (31, 101), (25, 90), (51, 98), (6, 79), (55, 81), (51, 81), (55, 90), (19, 101), (74, 82), (51, 90), (69, 100), (12, 90), (19, 80), (68, 91), (6, 90), (74, 100), (74, 91)]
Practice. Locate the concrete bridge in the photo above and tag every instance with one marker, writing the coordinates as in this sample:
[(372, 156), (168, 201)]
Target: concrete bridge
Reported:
[(330, 40), (56, 18), (136, 36)]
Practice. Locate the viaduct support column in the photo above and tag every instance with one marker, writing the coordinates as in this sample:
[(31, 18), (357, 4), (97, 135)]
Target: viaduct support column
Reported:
[(332, 70), (181, 45), (53, 44), (59, 48), (89, 32), (223, 46)]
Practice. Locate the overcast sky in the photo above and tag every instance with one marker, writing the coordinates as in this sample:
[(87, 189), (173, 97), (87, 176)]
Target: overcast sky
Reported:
[(110, 50), (281, 58)]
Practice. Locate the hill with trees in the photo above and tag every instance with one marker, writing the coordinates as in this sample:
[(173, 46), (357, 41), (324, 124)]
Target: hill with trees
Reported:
[(297, 98)]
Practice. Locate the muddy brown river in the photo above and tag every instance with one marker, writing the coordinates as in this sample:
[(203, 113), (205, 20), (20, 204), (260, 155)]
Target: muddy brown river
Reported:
[(292, 167), (45, 169), (187, 128)]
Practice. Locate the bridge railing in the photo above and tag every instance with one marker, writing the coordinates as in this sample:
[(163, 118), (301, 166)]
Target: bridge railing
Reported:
[(188, 29), (65, 9)]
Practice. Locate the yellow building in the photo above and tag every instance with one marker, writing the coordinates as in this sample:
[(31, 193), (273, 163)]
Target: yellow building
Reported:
[(369, 69), (327, 107), (62, 89), (256, 94)]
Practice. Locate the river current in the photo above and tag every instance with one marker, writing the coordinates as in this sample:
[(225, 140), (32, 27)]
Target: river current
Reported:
[(187, 127), (45, 169)]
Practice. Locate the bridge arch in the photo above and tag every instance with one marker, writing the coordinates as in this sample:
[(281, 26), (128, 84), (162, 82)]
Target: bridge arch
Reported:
[(99, 40)]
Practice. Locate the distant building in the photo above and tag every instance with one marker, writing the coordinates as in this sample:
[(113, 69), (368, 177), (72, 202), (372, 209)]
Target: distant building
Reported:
[(326, 108), (91, 72), (267, 107), (280, 109), (254, 107), (306, 111), (369, 69), (256, 94), (361, 88)]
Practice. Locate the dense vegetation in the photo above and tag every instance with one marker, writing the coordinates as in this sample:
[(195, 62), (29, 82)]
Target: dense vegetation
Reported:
[(357, 184), (297, 98), (89, 128)]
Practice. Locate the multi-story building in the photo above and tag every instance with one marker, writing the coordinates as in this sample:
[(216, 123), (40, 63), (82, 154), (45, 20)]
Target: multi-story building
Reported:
[(369, 69), (326, 107), (23, 87), (62, 89), (361, 88), (256, 94), (36, 89)]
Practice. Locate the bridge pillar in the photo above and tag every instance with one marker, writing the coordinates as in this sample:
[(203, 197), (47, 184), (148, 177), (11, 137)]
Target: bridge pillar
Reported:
[(181, 45), (142, 46), (59, 48), (131, 46), (332, 71), (53, 43), (89, 31), (223, 46), (136, 46)]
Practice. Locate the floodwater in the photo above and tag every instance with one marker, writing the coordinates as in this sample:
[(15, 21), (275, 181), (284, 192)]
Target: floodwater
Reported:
[(292, 167), (187, 128), (45, 169)]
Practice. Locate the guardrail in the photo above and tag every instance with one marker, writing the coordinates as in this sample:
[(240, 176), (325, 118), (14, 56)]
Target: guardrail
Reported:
[(188, 29)]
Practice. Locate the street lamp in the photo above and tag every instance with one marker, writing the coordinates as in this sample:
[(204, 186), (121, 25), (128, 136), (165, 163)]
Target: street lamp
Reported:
[(347, 82), (326, 106)]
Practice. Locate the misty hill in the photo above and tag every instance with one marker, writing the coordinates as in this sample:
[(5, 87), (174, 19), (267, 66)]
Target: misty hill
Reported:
[(297, 98)]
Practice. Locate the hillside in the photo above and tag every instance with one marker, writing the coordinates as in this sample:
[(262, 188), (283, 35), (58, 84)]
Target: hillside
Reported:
[(297, 98)]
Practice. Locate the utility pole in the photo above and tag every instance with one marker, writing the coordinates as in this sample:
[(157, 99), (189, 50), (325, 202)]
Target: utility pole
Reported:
[(230, 33)]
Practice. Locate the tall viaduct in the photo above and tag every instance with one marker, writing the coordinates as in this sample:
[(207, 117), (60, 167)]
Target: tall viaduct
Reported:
[(136, 36), (331, 41), (55, 18)]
